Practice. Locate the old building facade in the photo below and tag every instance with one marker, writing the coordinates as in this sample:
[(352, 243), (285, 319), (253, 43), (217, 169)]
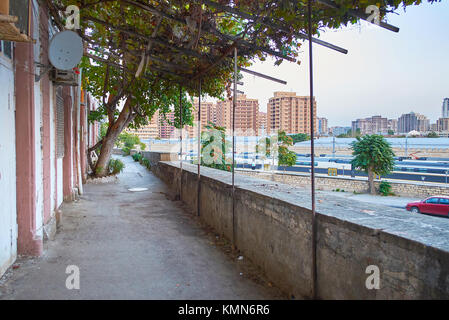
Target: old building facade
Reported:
[(44, 137)]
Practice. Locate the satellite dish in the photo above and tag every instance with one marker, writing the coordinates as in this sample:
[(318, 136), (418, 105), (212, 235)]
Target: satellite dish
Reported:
[(66, 50)]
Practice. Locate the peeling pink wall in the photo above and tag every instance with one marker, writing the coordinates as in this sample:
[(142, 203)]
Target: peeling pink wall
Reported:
[(27, 243), (45, 88)]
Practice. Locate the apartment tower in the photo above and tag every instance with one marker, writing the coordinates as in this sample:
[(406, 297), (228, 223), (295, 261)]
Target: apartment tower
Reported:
[(262, 122), (291, 113), (166, 129), (149, 131), (322, 126), (445, 109), (208, 115), (413, 122), (246, 115)]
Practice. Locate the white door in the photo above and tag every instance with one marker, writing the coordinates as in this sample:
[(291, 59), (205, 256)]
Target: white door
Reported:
[(8, 218)]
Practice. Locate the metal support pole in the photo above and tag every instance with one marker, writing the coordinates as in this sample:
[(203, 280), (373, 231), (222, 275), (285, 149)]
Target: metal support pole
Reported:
[(261, 75), (199, 150), (312, 147), (406, 146), (180, 138), (333, 146), (234, 103)]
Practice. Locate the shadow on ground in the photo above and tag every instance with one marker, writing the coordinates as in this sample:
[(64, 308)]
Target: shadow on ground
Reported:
[(135, 245)]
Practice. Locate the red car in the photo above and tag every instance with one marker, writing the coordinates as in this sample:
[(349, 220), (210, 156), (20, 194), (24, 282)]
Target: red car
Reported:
[(438, 205)]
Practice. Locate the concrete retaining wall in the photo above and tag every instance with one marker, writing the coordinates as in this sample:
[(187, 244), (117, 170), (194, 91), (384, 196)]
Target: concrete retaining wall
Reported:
[(351, 185), (273, 229)]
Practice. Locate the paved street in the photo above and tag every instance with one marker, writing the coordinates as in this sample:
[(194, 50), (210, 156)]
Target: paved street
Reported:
[(133, 245)]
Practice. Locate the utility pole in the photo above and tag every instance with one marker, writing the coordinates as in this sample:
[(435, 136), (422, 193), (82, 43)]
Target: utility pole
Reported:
[(406, 142), (333, 145)]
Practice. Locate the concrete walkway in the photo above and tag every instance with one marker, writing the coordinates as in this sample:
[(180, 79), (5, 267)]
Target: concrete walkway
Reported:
[(132, 245)]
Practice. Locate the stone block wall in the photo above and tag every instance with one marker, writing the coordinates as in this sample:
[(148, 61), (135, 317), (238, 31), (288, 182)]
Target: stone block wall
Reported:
[(350, 184), (273, 230)]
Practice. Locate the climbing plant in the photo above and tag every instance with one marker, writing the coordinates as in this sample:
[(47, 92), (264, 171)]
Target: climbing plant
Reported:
[(143, 56)]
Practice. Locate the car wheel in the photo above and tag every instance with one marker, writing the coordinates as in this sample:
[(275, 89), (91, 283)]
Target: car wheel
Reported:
[(414, 210)]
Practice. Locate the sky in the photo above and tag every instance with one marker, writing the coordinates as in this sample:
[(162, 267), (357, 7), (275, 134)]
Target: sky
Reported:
[(384, 73)]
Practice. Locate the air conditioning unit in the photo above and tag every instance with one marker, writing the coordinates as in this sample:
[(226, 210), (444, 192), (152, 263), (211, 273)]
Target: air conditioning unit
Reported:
[(64, 78)]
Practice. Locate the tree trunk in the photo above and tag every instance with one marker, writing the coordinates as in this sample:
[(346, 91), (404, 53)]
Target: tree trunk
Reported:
[(101, 168), (372, 189), (107, 146)]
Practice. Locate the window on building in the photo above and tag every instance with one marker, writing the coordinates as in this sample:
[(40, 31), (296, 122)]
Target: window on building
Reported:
[(6, 48)]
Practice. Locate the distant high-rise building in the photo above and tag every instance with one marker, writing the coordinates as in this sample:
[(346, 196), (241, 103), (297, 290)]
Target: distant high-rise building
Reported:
[(442, 125), (393, 125), (149, 131), (246, 114), (262, 122), (291, 113), (434, 126), (166, 129), (208, 115), (336, 131), (413, 121), (322, 126), (445, 109), (423, 123), (362, 125), (374, 125)]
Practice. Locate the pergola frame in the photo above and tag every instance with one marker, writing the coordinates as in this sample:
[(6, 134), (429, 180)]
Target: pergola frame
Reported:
[(231, 46), (208, 62)]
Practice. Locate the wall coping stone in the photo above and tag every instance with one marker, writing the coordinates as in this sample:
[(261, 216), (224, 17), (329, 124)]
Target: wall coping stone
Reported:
[(395, 181), (385, 221)]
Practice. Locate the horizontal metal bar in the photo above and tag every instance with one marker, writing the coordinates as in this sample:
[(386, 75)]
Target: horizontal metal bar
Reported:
[(261, 75), (240, 92), (359, 14)]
